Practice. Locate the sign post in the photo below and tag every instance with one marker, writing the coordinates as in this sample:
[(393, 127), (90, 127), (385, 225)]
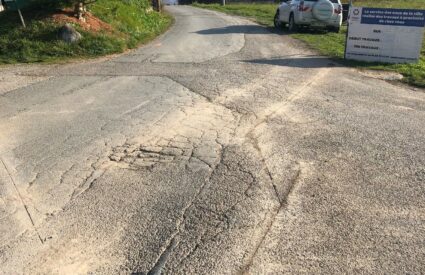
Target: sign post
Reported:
[(16, 5), (384, 35), (22, 18), (348, 28)]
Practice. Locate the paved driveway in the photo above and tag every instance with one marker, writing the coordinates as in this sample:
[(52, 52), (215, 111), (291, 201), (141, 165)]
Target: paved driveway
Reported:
[(219, 148)]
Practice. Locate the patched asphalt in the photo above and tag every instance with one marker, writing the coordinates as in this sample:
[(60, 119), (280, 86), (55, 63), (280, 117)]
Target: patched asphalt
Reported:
[(222, 147)]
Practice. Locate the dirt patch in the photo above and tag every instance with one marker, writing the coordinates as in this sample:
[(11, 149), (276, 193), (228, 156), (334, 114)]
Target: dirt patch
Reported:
[(92, 23), (384, 75)]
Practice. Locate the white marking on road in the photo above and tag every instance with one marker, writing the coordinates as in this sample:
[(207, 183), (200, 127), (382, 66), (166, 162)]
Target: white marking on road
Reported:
[(136, 108)]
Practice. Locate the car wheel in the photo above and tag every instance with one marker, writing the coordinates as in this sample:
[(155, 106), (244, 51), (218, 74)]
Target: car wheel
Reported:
[(292, 27), (336, 29), (277, 23), (333, 29)]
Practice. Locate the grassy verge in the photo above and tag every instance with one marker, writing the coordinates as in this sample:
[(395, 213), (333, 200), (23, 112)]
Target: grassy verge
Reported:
[(332, 44), (131, 24), (256, 12)]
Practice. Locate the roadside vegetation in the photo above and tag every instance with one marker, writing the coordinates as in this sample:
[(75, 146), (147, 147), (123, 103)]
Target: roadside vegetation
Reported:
[(333, 44), (120, 25)]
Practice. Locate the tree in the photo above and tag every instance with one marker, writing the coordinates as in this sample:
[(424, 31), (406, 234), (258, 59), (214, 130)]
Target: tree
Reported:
[(80, 8), (78, 5)]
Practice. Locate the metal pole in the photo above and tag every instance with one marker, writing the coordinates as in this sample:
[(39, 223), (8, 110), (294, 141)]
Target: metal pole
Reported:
[(22, 18), (20, 14), (348, 28)]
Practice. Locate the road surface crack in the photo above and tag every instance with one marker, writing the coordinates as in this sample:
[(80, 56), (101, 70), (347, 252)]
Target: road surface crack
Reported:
[(88, 183), (283, 205), (22, 201), (173, 240)]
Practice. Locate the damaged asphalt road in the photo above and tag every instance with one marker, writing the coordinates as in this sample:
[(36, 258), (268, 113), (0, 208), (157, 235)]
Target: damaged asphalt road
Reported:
[(219, 148)]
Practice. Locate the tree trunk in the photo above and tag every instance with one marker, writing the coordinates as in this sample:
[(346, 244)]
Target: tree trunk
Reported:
[(80, 11)]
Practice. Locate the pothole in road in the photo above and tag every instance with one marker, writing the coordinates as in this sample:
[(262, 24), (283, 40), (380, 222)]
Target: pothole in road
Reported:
[(148, 156)]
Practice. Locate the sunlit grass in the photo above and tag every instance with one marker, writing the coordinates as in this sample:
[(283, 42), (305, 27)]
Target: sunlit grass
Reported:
[(132, 22)]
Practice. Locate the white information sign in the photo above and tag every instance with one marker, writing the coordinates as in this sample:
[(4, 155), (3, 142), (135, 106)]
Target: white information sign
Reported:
[(385, 35)]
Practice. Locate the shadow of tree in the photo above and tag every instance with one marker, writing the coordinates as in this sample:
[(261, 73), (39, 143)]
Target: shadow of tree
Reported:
[(245, 29), (300, 62)]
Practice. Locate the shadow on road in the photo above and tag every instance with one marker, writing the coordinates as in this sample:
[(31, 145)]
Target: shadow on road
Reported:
[(300, 62), (246, 29), (257, 29)]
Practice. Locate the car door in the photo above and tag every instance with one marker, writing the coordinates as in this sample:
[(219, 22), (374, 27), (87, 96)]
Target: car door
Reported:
[(284, 9), (292, 5)]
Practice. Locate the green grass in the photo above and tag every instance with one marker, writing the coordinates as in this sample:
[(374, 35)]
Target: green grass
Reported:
[(257, 12), (39, 43), (402, 4), (130, 17), (332, 44)]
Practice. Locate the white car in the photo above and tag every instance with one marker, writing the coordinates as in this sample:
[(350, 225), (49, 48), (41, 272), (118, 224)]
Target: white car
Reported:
[(170, 2), (312, 13)]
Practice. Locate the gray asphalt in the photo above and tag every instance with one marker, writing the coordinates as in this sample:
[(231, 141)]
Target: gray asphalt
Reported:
[(219, 148)]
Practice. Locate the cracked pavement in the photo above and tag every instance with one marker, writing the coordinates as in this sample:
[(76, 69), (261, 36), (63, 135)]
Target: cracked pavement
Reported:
[(219, 148)]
